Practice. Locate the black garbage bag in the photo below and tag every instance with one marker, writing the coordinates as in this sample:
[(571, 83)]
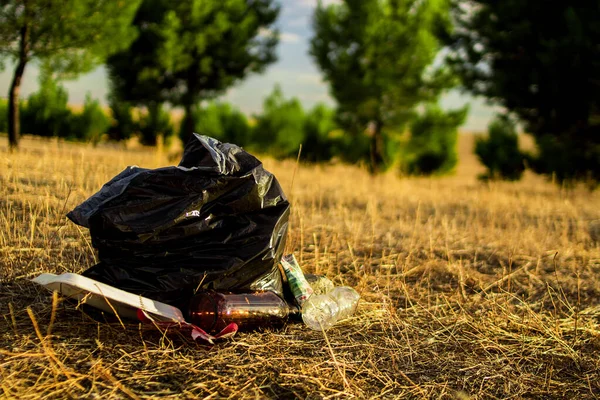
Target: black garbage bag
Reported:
[(216, 221)]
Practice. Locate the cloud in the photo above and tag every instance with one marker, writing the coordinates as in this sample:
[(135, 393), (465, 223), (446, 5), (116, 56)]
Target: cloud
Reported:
[(310, 99), (313, 3), (288, 37), (264, 32), (285, 37), (314, 79)]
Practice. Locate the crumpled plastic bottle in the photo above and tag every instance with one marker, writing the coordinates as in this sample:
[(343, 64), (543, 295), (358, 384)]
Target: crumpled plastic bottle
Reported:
[(321, 312), (320, 283)]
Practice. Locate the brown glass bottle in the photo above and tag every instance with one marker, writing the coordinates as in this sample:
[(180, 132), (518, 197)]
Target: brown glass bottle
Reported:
[(212, 311)]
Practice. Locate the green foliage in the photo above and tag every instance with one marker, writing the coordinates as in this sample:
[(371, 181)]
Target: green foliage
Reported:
[(280, 128), (352, 148), (70, 36), (122, 125), (539, 60), (568, 161), (46, 112), (431, 148), (377, 58), (189, 51), (324, 140), (284, 125), (499, 152), (224, 122), (320, 142), (3, 115), (154, 123), (90, 124)]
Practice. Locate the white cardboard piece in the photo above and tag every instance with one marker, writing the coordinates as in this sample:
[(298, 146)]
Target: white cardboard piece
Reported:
[(108, 298)]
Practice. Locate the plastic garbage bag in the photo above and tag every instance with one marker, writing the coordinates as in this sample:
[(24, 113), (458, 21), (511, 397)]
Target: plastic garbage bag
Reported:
[(216, 221)]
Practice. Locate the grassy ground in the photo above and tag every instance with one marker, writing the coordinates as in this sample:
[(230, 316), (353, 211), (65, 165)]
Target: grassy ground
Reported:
[(469, 290)]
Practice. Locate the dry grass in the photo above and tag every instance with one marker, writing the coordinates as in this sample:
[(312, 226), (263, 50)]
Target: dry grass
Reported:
[(470, 291)]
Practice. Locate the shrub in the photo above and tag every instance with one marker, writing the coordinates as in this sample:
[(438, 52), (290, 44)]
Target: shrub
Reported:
[(122, 125), (431, 148), (280, 128), (568, 160), (320, 140), (499, 152), (90, 124), (224, 122), (46, 112), (352, 148), (155, 122)]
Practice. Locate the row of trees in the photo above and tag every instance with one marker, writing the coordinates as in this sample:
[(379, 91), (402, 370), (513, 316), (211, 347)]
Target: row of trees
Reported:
[(378, 58), (284, 125), (280, 129), (47, 113), (189, 51), (537, 59), (70, 36), (156, 51), (382, 60)]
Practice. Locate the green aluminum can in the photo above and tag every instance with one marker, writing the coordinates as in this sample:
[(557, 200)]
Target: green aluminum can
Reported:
[(300, 287)]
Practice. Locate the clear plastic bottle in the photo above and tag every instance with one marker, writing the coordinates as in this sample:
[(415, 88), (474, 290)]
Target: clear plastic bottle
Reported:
[(320, 283), (323, 311), (320, 312), (346, 299)]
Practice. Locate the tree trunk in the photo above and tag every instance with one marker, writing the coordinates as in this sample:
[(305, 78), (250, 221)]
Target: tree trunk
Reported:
[(376, 148), (151, 131), (190, 98), (15, 87), (188, 125)]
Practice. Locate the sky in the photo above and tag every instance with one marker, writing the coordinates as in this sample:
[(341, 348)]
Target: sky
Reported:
[(295, 71)]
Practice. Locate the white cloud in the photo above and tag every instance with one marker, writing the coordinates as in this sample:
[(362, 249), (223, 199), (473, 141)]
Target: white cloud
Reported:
[(265, 32), (310, 99), (314, 79), (313, 3), (285, 37), (288, 37)]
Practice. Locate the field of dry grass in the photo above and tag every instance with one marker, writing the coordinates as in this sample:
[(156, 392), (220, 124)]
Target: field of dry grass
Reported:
[(469, 290)]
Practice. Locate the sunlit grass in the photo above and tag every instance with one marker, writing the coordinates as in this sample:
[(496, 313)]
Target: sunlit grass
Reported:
[(468, 289)]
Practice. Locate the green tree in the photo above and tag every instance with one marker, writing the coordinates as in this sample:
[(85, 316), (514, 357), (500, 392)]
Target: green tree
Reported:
[(540, 61), (90, 124), (499, 152), (122, 125), (377, 57), (318, 143), (46, 112), (73, 35), (224, 122), (431, 148), (189, 51), (280, 128), (154, 123)]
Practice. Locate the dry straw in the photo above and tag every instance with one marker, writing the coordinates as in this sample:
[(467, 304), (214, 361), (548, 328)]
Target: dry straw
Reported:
[(469, 291)]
